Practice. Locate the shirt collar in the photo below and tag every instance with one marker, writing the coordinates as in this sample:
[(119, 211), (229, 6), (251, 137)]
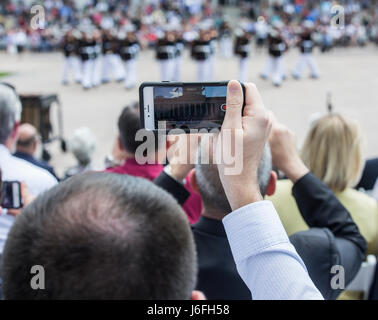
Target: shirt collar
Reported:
[(210, 226)]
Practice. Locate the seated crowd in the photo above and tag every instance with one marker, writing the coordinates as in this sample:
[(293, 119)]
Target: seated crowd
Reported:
[(191, 230)]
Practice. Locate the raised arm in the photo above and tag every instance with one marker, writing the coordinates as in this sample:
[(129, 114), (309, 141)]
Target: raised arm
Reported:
[(266, 261)]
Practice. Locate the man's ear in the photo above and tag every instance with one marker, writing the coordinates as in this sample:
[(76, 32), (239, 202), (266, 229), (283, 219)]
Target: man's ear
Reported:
[(35, 145), (14, 133), (272, 184), (197, 295), (120, 146), (193, 180)]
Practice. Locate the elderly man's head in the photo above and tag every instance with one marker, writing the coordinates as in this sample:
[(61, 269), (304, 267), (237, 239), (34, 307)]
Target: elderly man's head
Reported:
[(27, 141), (206, 180), (10, 115)]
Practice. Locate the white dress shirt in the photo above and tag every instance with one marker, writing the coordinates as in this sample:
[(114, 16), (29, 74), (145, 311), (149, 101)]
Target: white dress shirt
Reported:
[(266, 260), (36, 179)]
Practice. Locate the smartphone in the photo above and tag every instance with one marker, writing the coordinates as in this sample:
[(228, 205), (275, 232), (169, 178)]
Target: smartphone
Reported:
[(11, 195), (182, 105)]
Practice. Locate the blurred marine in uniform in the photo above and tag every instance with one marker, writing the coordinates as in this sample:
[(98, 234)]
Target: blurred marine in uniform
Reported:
[(129, 49), (201, 53), (180, 46), (72, 63), (111, 65), (87, 50), (225, 38), (213, 50), (166, 53), (276, 48), (97, 59), (306, 45), (242, 50), (261, 32)]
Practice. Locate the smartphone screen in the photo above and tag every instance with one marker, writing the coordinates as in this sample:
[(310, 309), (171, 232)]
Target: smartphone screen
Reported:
[(11, 195), (183, 105)]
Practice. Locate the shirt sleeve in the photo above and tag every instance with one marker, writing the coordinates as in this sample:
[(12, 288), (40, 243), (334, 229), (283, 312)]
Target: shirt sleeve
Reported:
[(266, 260)]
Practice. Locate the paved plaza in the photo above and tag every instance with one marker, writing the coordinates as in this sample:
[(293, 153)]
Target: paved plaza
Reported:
[(350, 75)]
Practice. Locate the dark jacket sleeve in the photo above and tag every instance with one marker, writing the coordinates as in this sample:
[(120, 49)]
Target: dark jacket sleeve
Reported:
[(333, 238), (175, 188), (321, 209)]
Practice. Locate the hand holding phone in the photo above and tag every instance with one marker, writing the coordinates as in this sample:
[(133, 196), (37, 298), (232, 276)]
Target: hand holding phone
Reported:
[(185, 106), (11, 195)]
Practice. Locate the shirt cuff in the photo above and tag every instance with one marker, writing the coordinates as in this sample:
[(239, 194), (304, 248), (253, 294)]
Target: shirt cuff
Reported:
[(254, 228)]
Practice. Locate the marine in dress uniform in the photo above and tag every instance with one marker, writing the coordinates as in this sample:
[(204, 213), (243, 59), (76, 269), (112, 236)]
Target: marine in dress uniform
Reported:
[(166, 53), (214, 47), (98, 58), (276, 49), (261, 32), (306, 46), (129, 50), (225, 40), (242, 49), (180, 46), (71, 63), (87, 51), (201, 53), (111, 62)]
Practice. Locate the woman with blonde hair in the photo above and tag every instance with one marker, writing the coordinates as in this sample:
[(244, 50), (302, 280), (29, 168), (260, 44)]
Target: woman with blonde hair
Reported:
[(333, 151)]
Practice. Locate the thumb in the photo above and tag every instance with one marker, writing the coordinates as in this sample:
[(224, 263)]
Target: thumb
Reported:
[(234, 103)]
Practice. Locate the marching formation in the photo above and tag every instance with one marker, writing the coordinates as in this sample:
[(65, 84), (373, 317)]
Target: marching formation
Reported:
[(95, 57), (102, 40)]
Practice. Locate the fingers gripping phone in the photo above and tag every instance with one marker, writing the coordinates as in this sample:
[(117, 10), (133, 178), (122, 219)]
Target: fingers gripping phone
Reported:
[(11, 195), (183, 105)]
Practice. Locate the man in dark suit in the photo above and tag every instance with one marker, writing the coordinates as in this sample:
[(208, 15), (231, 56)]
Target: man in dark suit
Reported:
[(27, 144), (333, 240)]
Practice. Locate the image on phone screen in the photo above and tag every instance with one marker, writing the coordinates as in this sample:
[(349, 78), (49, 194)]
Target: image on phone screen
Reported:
[(185, 107)]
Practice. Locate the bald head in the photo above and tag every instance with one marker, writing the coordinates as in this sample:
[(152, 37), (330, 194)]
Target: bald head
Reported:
[(27, 139)]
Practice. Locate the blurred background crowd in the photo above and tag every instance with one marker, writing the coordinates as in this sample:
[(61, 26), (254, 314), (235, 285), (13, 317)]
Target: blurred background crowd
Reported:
[(150, 17)]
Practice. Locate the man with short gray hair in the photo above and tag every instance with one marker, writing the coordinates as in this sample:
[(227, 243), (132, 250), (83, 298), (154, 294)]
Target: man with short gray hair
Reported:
[(333, 237), (217, 274), (37, 180)]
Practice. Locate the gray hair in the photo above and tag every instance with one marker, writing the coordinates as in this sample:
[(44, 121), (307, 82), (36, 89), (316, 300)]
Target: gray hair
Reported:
[(10, 111), (83, 145), (213, 196)]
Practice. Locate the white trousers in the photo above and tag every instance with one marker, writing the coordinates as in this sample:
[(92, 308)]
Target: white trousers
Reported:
[(97, 71), (167, 69), (130, 73), (243, 69), (226, 48), (274, 67), (203, 70), (112, 67), (88, 73), (71, 64), (306, 59), (211, 68), (177, 69)]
